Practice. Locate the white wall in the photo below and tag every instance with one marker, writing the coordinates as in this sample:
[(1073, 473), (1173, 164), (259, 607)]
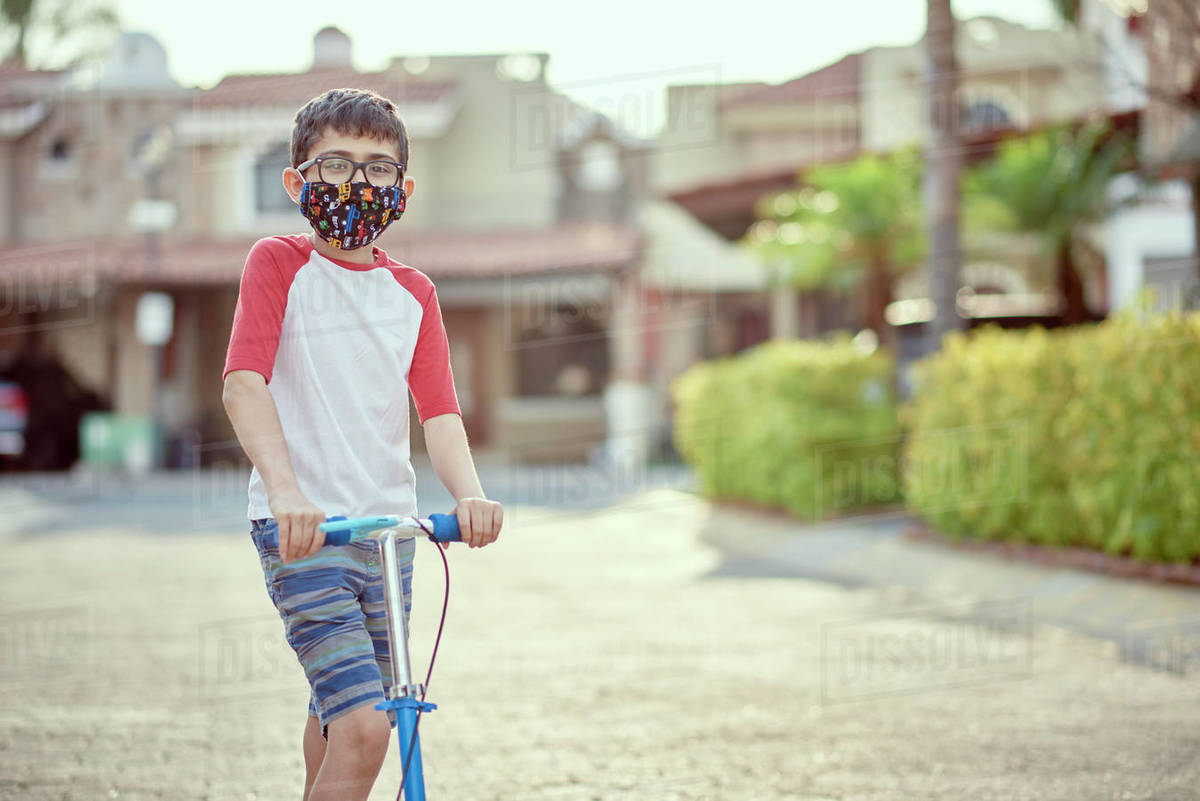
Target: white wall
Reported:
[(1159, 227), (694, 146), (1037, 76), (495, 165)]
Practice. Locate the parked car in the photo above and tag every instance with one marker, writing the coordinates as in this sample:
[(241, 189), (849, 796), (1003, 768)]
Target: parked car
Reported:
[(14, 415), (41, 405)]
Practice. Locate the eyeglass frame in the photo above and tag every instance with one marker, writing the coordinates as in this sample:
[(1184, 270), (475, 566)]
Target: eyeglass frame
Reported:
[(355, 167)]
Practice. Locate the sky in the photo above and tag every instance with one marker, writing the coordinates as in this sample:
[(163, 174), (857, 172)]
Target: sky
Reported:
[(596, 51)]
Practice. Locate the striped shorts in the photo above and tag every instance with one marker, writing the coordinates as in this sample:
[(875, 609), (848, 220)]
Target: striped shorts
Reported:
[(335, 618)]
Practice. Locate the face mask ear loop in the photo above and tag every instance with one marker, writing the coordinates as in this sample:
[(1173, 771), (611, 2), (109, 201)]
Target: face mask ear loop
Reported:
[(304, 189)]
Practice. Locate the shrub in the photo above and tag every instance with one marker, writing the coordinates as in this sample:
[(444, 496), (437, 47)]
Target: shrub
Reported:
[(1078, 437), (807, 426)]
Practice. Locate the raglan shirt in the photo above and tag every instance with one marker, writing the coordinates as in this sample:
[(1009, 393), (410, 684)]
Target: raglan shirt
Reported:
[(341, 345)]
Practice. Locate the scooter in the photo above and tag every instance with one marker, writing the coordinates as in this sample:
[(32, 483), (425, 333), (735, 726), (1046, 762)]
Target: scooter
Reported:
[(406, 697)]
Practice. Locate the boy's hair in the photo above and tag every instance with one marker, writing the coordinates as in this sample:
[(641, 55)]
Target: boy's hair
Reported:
[(351, 112)]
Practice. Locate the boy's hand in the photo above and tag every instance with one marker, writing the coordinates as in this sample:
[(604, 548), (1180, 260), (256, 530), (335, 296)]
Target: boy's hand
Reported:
[(479, 521), (297, 519)]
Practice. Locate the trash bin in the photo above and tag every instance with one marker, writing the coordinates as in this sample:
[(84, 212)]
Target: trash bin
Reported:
[(109, 440)]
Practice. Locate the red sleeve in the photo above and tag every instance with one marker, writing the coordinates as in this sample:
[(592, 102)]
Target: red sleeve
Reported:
[(429, 378), (258, 318)]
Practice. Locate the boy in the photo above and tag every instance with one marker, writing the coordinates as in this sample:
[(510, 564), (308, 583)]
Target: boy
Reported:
[(329, 338)]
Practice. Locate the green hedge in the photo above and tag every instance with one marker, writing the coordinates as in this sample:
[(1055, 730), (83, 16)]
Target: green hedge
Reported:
[(810, 427), (1087, 436)]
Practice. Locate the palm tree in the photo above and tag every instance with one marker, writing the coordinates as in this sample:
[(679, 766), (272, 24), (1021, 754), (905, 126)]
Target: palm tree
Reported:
[(77, 30), (17, 14), (849, 226), (1052, 184), (943, 163), (1067, 9)]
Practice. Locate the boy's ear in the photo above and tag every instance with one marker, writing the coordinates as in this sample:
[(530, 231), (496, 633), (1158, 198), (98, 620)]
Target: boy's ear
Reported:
[(408, 188), (293, 182)]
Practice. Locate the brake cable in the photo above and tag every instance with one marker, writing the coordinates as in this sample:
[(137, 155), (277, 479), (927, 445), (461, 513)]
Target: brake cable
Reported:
[(432, 657)]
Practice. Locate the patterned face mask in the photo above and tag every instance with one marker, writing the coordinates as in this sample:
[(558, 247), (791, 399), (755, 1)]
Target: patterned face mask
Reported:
[(350, 215)]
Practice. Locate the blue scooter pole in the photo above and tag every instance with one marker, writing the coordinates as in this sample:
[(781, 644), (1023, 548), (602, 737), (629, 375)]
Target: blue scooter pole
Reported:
[(406, 696)]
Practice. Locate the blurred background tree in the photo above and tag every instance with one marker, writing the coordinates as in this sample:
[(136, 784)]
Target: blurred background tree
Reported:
[(56, 34), (1052, 184), (1067, 9), (855, 226)]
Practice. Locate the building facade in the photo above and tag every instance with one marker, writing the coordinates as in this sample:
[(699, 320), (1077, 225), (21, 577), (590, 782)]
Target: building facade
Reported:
[(1154, 53), (523, 214)]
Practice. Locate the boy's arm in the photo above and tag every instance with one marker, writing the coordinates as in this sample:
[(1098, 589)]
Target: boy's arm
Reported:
[(432, 385), (479, 519), (255, 420), (249, 362)]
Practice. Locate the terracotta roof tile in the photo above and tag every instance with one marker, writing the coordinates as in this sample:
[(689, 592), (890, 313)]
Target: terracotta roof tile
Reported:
[(19, 86), (451, 254), (294, 89), (562, 248), (10, 68), (729, 91), (838, 80)]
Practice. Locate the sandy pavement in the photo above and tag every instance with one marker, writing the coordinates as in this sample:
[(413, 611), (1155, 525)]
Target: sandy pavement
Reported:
[(587, 656)]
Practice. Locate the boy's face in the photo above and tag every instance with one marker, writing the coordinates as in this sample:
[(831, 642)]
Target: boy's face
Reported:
[(355, 148)]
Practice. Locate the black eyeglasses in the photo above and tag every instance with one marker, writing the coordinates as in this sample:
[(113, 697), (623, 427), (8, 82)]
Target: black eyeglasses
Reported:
[(339, 170)]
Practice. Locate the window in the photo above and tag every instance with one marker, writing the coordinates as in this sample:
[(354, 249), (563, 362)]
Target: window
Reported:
[(59, 159), (567, 355), (984, 116), (151, 150), (269, 194)]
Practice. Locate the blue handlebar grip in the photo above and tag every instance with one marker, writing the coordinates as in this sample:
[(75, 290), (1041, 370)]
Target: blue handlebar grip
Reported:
[(445, 528), (335, 535), (338, 537), (272, 539)]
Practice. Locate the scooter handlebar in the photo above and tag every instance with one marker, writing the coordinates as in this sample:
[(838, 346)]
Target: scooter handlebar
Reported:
[(340, 530), (445, 528)]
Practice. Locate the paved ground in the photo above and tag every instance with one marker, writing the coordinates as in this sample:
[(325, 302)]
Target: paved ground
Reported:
[(875, 552), (619, 653)]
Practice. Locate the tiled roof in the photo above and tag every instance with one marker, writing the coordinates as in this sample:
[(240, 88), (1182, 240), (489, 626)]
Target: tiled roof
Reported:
[(838, 80), (729, 91), (451, 254), (295, 88), (565, 247), (10, 68), (20, 86), (727, 205)]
